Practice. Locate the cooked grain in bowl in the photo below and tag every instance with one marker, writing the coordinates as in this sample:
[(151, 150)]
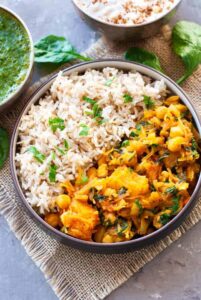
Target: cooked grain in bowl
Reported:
[(126, 12), (107, 155)]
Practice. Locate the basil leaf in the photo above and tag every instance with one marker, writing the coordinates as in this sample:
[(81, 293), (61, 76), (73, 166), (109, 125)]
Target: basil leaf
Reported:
[(56, 123), (84, 131), (144, 57), (186, 42), (56, 49), (36, 154), (4, 146), (149, 103), (52, 173)]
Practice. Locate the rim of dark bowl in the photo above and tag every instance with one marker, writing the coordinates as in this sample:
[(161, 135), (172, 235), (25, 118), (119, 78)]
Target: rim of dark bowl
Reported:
[(118, 247), (132, 25)]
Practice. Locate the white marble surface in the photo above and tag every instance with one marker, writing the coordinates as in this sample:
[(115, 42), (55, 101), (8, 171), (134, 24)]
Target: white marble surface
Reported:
[(174, 274)]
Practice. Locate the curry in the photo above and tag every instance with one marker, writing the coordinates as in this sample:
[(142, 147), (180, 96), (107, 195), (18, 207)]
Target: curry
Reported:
[(138, 186)]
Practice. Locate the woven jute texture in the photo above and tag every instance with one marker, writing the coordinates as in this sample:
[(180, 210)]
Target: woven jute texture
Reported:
[(71, 273)]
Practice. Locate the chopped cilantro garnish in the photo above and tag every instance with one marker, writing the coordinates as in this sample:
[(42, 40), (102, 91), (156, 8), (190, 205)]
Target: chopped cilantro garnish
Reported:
[(125, 143), (84, 179), (175, 206), (99, 197), (122, 191), (109, 81), (36, 154), (139, 205), (134, 134), (52, 173), (127, 98), (56, 123), (61, 151), (164, 218), (171, 190), (149, 103), (165, 155), (66, 145), (121, 227), (84, 131), (89, 100)]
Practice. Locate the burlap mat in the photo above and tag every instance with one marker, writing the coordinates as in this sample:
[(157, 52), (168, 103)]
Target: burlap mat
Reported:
[(71, 273)]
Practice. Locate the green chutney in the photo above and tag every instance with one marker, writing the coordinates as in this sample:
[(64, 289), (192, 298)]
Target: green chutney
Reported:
[(15, 50)]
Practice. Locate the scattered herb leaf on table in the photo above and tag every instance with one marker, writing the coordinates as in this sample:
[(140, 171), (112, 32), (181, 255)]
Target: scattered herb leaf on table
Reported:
[(4, 146), (143, 56), (186, 42), (56, 49)]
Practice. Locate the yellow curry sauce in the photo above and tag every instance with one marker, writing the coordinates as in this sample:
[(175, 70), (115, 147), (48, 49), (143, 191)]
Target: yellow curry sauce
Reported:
[(137, 187)]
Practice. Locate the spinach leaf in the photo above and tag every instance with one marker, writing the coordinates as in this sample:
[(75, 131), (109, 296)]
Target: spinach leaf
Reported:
[(144, 57), (52, 173), (186, 42), (4, 146), (56, 49), (56, 123), (36, 154)]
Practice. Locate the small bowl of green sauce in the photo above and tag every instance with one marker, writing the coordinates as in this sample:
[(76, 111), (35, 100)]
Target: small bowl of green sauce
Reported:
[(16, 57)]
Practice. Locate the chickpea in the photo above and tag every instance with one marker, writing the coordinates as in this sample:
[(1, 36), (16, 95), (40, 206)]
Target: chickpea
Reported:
[(52, 219), (176, 131), (161, 112), (63, 201), (175, 144)]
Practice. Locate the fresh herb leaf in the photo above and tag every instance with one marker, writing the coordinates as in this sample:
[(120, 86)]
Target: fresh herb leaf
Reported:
[(66, 145), (165, 155), (171, 190), (122, 225), (122, 191), (56, 123), (99, 197), (97, 111), (89, 100), (56, 49), (84, 131), (164, 218), (186, 43), (149, 103), (139, 205), (152, 187), (138, 127), (4, 146), (144, 57), (52, 173), (175, 206), (134, 134), (61, 151), (127, 98), (109, 81), (84, 179), (125, 143), (36, 154)]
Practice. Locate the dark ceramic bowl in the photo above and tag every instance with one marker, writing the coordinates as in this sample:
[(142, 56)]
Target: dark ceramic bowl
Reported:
[(21, 88), (93, 246), (121, 32)]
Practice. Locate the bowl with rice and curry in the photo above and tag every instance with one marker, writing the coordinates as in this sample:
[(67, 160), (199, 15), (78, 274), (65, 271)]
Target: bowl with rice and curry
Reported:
[(106, 156)]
